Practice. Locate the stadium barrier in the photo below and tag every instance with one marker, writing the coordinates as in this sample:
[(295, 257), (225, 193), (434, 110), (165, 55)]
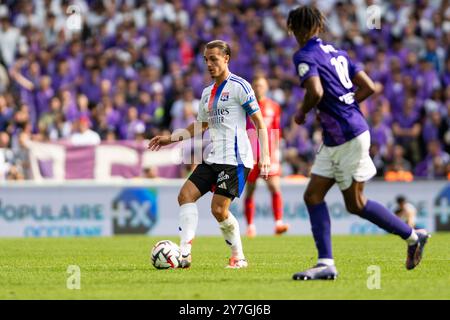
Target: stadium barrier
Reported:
[(128, 206)]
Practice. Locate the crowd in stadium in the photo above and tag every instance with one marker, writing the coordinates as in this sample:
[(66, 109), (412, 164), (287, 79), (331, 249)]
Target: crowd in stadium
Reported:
[(136, 69)]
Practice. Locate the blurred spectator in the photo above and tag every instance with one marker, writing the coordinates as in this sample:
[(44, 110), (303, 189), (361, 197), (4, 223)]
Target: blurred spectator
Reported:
[(147, 57), (380, 132), (435, 164), (150, 173), (10, 38), (184, 111), (133, 126), (407, 128), (6, 113), (433, 53), (405, 211), (435, 127), (6, 155), (377, 158), (83, 135), (21, 154), (398, 162), (298, 149)]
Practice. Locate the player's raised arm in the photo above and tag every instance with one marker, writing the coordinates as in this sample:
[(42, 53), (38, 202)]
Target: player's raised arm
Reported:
[(313, 95), (261, 129), (365, 85), (178, 135)]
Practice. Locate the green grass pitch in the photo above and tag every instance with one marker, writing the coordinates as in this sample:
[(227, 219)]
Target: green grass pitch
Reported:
[(119, 268)]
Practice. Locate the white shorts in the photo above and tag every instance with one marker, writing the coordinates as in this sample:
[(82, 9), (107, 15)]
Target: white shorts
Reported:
[(346, 162)]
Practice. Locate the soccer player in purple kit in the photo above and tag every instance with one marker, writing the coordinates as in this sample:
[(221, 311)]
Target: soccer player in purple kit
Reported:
[(335, 86)]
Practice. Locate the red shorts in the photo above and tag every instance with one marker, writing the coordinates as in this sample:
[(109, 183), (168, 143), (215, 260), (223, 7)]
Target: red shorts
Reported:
[(275, 170)]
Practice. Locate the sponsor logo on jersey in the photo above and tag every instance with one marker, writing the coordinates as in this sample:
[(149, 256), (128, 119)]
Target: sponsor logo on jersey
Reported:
[(218, 115), (219, 112)]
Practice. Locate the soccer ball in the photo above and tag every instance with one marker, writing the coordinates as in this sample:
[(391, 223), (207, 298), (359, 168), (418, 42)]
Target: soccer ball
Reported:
[(165, 255)]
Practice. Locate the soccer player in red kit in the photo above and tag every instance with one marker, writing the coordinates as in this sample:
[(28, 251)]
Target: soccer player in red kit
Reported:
[(271, 112)]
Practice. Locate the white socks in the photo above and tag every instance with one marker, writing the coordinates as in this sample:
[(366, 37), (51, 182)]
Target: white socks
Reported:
[(187, 226), (232, 235), (413, 238), (327, 262)]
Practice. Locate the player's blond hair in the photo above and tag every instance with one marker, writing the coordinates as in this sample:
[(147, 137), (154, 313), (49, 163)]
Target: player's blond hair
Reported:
[(220, 44)]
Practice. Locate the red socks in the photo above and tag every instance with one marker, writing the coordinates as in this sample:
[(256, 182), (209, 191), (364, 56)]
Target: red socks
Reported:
[(277, 206), (249, 209)]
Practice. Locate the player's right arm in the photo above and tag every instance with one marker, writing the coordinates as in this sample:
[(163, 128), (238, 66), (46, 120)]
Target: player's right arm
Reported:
[(313, 95), (179, 135), (308, 73), (365, 85)]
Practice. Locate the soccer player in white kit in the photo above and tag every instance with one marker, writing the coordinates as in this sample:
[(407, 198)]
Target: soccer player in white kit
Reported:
[(224, 107)]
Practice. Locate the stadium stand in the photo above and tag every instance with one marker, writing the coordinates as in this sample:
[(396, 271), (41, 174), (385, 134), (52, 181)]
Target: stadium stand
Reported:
[(136, 69)]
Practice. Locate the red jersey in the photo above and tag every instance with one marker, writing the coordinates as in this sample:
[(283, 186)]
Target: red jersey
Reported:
[(271, 112)]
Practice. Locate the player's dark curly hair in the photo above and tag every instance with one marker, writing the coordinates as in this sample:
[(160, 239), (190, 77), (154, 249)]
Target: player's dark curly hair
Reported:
[(304, 21)]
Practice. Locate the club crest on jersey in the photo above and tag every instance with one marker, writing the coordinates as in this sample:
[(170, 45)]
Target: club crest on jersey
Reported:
[(225, 96), (303, 68)]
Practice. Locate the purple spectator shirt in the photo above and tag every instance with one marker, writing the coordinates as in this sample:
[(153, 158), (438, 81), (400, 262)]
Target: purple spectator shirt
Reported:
[(380, 135), (407, 120), (339, 114), (43, 98)]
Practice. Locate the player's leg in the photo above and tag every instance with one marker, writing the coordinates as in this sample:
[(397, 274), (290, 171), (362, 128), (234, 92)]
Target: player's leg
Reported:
[(319, 216), (322, 179), (354, 167), (378, 214), (249, 204), (249, 201), (230, 184), (273, 184), (197, 185), (230, 229)]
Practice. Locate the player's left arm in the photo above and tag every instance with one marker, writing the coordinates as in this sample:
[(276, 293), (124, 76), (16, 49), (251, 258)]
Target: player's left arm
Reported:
[(313, 95), (263, 137), (365, 85)]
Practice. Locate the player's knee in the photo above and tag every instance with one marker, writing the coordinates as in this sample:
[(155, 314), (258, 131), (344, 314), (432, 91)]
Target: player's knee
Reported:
[(273, 188), (184, 197), (311, 198), (354, 207), (250, 190), (219, 211)]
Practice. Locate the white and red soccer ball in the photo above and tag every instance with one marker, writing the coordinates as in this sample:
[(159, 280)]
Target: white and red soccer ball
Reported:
[(165, 255)]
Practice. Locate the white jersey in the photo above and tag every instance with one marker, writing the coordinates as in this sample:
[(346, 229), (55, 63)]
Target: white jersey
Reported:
[(225, 108)]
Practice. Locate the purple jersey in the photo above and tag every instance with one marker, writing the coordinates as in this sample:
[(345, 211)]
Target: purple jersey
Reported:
[(339, 113)]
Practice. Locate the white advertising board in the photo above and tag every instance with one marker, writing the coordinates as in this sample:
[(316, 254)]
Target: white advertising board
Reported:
[(87, 208)]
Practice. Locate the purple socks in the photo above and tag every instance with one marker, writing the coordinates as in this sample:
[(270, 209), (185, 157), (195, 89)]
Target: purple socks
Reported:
[(382, 217), (321, 229)]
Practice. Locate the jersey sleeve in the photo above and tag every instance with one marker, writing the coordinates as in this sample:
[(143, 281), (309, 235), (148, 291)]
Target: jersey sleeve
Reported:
[(202, 116), (305, 67), (247, 99)]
